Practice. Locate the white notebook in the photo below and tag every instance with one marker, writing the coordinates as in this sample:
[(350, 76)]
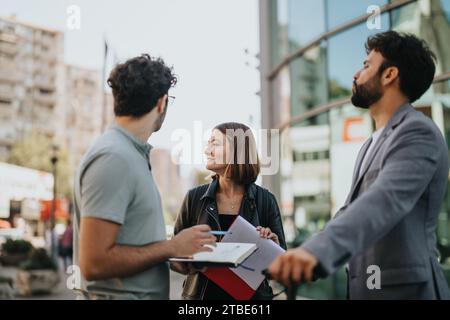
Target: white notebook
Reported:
[(230, 254)]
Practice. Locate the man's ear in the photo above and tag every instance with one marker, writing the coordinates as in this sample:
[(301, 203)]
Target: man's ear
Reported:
[(390, 75), (161, 104)]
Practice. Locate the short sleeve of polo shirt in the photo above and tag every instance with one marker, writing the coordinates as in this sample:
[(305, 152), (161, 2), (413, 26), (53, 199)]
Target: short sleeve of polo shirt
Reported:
[(106, 188)]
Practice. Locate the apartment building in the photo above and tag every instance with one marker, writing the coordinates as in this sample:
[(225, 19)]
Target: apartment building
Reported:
[(31, 82)]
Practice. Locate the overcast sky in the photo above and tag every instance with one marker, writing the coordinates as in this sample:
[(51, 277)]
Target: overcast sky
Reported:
[(204, 40)]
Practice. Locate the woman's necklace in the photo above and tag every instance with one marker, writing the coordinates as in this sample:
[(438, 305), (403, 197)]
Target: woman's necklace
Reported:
[(235, 203), (232, 202)]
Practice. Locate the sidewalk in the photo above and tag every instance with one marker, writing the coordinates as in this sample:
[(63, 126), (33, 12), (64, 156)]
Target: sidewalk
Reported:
[(59, 293), (62, 293)]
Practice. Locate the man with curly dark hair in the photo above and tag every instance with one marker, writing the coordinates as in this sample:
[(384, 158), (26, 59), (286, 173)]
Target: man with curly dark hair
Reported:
[(119, 232)]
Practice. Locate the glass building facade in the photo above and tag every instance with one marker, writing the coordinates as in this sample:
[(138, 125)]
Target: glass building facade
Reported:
[(310, 50)]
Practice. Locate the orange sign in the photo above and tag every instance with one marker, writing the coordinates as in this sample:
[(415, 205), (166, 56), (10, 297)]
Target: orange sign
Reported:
[(61, 212), (354, 130)]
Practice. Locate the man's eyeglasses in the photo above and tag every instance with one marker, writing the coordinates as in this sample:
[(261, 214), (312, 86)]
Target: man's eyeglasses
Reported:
[(170, 100)]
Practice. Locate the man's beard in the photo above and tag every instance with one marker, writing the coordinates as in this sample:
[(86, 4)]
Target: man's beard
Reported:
[(368, 93)]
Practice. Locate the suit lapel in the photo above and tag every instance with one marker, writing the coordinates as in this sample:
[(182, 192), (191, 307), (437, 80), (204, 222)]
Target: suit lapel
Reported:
[(359, 159), (373, 152), (356, 170), (395, 120)]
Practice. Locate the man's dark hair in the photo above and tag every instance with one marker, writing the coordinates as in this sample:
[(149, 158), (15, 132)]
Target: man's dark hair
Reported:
[(412, 56), (138, 84)]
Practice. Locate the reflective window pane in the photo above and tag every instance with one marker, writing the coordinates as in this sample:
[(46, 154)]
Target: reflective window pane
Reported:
[(429, 21), (279, 37), (446, 7), (346, 54), (300, 33), (309, 84), (342, 11)]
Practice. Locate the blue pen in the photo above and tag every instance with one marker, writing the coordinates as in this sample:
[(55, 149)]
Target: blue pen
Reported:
[(219, 233)]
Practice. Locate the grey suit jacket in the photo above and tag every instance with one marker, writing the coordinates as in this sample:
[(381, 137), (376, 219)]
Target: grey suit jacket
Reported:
[(389, 218)]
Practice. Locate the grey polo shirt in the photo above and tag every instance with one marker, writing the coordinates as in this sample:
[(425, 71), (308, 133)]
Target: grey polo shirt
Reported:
[(114, 182)]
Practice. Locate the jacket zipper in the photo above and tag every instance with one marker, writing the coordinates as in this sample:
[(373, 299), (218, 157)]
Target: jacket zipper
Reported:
[(204, 289), (207, 280), (215, 219)]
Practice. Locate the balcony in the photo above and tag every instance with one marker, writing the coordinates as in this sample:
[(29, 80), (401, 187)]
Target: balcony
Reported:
[(44, 70), (8, 37), (37, 36), (7, 64), (6, 110), (46, 99), (49, 41), (49, 55), (8, 75), (6, 96), (43, 114), (45, 83), (8, 48), (7, 91)]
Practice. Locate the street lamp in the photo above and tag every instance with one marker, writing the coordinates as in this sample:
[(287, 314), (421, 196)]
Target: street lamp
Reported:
[(54, 161)]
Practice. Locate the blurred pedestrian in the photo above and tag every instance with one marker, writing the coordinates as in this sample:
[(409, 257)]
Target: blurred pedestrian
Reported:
[(66, 245)]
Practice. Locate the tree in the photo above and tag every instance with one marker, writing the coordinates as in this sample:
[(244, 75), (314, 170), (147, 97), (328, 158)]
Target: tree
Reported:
[(337, 90), (35, 151)]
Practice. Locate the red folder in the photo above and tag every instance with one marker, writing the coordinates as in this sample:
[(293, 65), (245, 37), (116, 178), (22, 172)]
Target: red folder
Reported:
[(230, 282)]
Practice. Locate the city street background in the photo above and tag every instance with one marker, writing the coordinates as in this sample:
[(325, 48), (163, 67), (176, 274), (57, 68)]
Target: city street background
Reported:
[(285, 65)]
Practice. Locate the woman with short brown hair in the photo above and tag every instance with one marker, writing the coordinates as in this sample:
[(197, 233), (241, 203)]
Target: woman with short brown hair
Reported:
[(232, 156)]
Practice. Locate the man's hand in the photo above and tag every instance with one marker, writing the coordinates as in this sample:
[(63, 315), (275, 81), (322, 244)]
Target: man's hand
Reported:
[(293, 267), (102, 258), (192, 240)]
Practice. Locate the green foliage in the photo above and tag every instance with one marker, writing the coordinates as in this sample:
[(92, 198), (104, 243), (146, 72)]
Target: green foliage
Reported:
[(337, 91), (35, 151), (38, 260), (16, 247)]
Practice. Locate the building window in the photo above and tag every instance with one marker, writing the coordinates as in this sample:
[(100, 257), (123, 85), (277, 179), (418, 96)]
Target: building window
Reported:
[(308, 83), (279, 34), (346, 54), (299, 32), (343, 11), (430, 21)]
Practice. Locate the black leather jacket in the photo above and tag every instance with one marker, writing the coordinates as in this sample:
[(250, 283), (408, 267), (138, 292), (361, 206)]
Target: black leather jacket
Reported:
[(259, 207)]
